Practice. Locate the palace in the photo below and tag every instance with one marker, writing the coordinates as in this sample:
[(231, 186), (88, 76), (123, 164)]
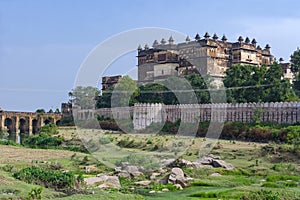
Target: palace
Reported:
[(207, 55)]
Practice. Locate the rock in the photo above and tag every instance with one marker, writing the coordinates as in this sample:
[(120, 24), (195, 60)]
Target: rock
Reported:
[(222, 163), (167, 162), (143, 183), (133, 170), (124, 174), (165, 190), (118, 169), (107, 181), (90, 169), (152, 191), (177, 177), (215, 174), (178, 186), (154, 175), (124, 164), (205, 160), (199, 165)]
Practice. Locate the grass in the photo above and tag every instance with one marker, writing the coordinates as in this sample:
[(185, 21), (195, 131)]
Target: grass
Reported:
[(255, 173)]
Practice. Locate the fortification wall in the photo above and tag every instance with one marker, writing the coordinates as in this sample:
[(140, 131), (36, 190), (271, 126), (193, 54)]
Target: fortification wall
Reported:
[(145, 114)]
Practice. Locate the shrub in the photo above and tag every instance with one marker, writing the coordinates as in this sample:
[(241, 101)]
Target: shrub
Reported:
[(47, 178), (43, 141), (261, 195), (147, 162)]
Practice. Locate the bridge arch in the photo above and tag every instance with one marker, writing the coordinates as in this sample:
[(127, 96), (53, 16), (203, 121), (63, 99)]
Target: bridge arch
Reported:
[(10, 125), (35, 126), (23, 125)]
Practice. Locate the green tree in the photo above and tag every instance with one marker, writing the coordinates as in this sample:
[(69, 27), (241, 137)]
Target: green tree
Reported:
[(50, 111), (295, 61), (40, 111), (296, 85), (152, 93), (247, 83), (85, 97), (199, 85), (244, 83), (125, 92)]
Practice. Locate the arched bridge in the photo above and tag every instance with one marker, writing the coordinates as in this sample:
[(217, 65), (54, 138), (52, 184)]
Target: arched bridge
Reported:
[(26, 122)]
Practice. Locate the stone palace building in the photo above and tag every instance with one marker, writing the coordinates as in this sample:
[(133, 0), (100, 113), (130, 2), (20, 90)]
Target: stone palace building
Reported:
[(207, 55)]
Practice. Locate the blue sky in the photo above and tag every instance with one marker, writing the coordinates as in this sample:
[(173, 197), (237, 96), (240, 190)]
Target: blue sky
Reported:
[(43, 43)]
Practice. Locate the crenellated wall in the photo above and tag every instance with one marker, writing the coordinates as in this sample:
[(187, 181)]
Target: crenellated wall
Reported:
[(145, 114)]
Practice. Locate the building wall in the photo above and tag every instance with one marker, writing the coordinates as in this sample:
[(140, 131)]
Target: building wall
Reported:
[(209, 56)]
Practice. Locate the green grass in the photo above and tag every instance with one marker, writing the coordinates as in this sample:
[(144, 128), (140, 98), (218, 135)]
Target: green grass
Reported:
[(255, 174)]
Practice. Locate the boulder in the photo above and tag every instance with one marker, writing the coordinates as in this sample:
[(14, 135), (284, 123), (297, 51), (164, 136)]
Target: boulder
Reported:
[(143, 183), (134, 171), (104, 180), (118, 169), (177, 176), (154, 175), (124, 174), (205, 160), (90, 169), (215, 175), (223, 164)]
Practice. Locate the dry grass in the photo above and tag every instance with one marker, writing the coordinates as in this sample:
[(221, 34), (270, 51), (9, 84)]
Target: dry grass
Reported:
[(10, 154)]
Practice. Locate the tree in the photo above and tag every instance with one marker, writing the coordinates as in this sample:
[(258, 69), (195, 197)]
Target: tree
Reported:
[(296, 85), (295, 61), (124, 93), (56, 110), (199, 85), (50, 111), (40, 111), (244, 83), (85, 97), (247, 83)]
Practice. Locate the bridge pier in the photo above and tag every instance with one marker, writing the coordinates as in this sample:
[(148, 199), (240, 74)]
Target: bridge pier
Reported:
[(2, 125), (30, 126)]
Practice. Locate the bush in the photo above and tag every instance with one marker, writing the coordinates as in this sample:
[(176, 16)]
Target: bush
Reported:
[(49, 129), (47, 178), (147, 162), (43, 141), (261, 195)]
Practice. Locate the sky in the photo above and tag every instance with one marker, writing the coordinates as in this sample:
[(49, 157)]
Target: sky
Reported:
[(44, 43)]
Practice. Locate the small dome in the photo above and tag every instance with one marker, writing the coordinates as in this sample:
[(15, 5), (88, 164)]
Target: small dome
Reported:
[(267, 46), (197, 37), (258, 47), (171, 40), (139, 48), (247, 40), (163, 41), (146, 47), (254, 41), (206, 35), (240, 39), (187, 39), (155, 43), (224, 38), (215, 37)]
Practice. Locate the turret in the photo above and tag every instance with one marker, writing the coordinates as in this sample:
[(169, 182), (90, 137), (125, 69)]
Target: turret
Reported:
[(215, 37), (197, 37), (206, 36)]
